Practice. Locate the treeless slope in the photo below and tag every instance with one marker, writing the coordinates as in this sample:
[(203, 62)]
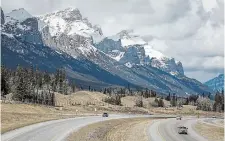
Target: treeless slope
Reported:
[(80, 98)]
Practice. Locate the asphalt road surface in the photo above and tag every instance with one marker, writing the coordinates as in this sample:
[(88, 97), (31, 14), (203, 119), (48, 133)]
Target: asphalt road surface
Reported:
[(166, 130), (56, 130)]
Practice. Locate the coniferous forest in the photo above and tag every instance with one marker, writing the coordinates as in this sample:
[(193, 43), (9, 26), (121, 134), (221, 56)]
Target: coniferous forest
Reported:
[(34, 86)]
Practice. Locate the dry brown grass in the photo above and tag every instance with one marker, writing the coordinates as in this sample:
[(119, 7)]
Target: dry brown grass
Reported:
[(80, 98), (212, 133), (135, 130), (18, 115), (113, 130), (10, 121), (81, 103)]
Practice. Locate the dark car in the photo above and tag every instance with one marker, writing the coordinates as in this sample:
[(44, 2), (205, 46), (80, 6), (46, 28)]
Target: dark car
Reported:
[(105, 115), (178, 117)]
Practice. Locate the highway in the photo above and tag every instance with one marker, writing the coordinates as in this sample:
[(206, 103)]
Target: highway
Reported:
[(56, 130), (166, 130)]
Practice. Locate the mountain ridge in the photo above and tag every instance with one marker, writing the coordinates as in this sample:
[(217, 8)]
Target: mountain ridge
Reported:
[(80, 54), (216, 83)]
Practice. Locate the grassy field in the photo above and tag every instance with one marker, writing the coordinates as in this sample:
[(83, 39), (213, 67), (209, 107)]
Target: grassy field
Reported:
[(212, 133), (114, 130), (18, 115), (80, 104)]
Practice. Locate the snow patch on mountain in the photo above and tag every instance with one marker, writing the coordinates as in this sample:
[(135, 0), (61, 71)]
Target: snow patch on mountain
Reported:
[(69, 22), (7, 34), (128, 64), (128, 38), (117, 55), (149, 51)]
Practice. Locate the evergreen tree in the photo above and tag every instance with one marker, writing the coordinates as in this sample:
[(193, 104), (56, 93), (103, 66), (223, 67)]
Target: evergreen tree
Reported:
[(4, 82), (168, 97)]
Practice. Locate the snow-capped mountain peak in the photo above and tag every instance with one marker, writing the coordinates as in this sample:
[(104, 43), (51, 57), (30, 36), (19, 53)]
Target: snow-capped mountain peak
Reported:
[(128, 38), (69, 22), (17, 15), (68, 14)]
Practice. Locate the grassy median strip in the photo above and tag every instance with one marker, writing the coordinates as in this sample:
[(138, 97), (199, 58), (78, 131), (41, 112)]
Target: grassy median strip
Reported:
[(212, 133), (114, 130)]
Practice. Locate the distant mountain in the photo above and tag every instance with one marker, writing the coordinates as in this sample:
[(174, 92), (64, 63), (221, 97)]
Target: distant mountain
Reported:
[(130, 49), (65, 39), (217, 83)]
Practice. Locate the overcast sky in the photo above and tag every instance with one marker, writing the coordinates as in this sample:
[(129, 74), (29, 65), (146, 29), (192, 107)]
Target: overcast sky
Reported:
[(191, 31)]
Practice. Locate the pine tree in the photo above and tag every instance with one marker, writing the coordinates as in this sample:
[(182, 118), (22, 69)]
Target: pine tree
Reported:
[(73, 86), (21, 88), (4, 82)]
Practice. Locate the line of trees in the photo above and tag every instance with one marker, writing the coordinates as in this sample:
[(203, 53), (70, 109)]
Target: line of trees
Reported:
[(33, 85)]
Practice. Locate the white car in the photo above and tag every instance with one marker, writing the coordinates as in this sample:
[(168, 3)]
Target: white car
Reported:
[(182, 130)]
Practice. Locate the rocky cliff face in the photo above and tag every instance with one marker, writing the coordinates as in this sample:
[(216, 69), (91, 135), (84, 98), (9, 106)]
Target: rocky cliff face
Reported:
[(67, 31), (2, 17), (24, 27), (168, 65), (128, 48)]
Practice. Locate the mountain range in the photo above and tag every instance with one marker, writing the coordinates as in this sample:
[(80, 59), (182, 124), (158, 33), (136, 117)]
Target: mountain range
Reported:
[(217, 83), (66, 39)]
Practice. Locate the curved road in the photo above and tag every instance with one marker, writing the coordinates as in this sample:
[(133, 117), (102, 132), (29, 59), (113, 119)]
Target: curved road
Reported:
[(56, 130), (166, 130)]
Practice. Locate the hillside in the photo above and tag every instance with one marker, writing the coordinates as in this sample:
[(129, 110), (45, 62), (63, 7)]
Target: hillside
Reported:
[(217, 83)]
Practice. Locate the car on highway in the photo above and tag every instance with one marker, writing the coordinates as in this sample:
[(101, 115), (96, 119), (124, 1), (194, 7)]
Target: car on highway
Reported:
[(182, 130), (178, 117), (105, 115)]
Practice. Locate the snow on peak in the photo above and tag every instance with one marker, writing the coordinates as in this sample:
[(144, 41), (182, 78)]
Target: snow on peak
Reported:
[(69, 21), (149, 51), (128, 38), (68, 14), (18, 15)]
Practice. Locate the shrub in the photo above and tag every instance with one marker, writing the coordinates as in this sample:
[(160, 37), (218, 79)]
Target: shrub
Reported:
[(139, 102), (155, 103), (160, 103), (116, 100), (204, 104)]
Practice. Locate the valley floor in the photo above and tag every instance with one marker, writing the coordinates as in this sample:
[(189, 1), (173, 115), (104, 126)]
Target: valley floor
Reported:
[(83, 103)]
